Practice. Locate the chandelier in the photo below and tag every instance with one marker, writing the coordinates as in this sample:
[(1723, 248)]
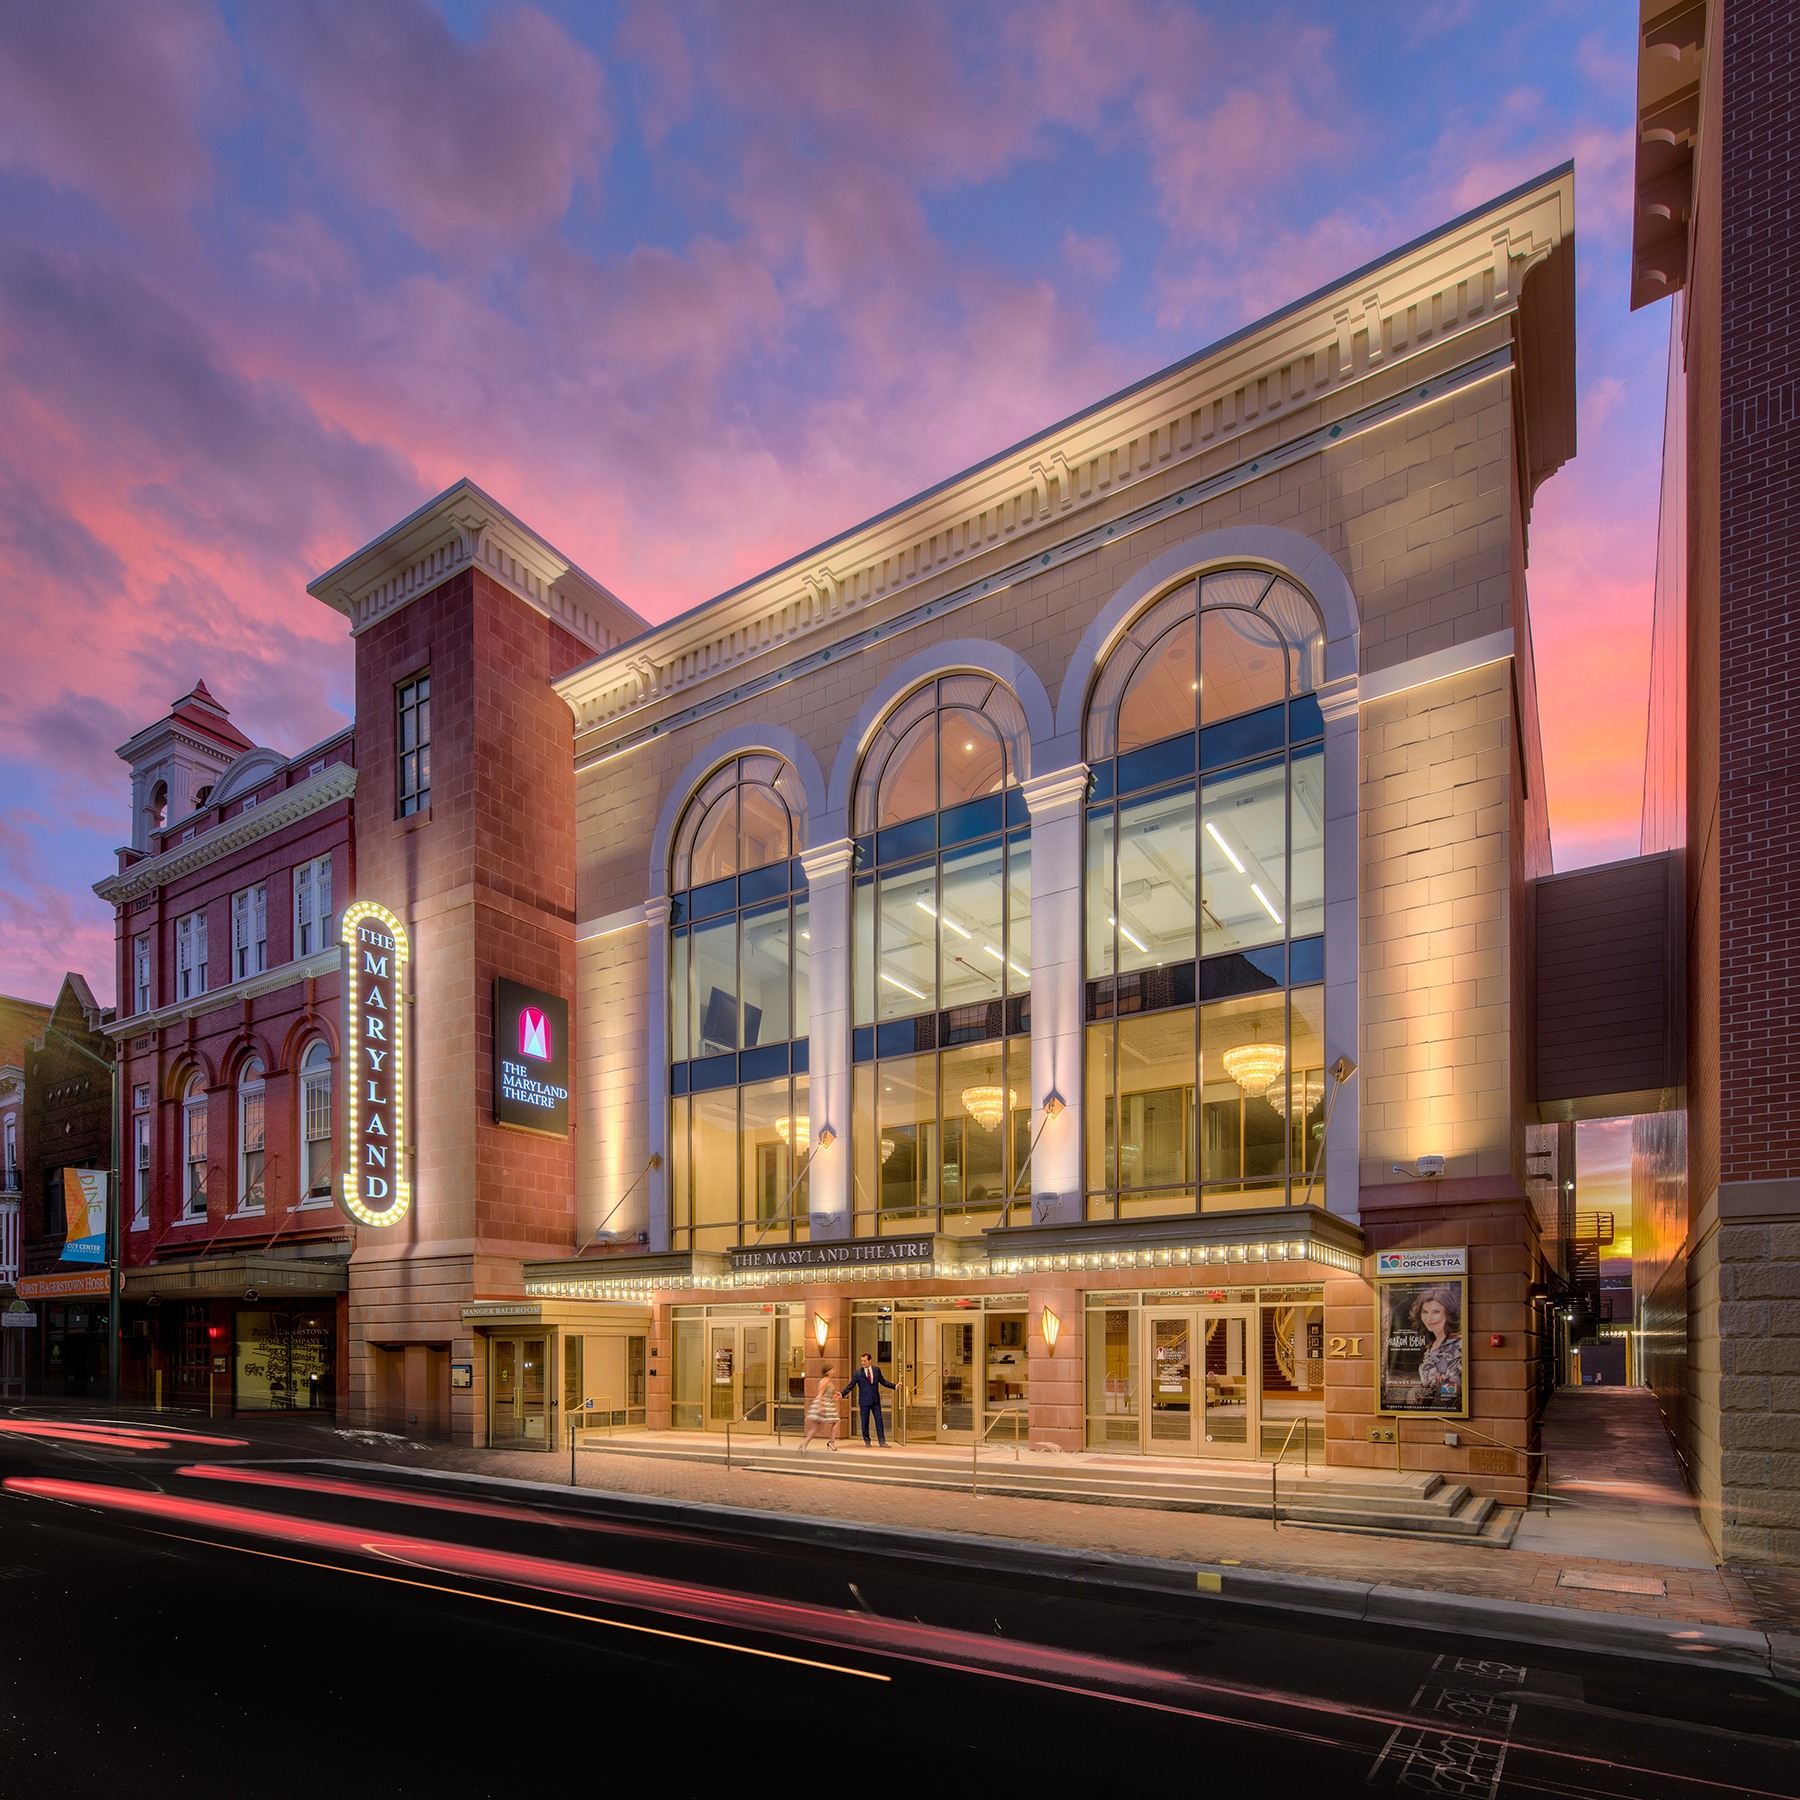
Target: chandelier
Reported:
[(986, 1105), (1254, 1066), (1307, 1094), (795, 1132), (887, 1149)]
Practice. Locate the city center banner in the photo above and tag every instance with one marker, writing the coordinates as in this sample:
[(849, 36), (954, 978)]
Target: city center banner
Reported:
[(531, 1059), (84, 1207), (1421, 1300)]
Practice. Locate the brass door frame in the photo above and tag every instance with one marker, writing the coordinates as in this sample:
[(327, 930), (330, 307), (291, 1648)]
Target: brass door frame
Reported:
[(1199, 1321)]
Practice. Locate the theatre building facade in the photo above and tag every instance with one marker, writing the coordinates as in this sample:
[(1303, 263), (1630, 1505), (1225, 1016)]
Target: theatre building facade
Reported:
[(1067, 938)]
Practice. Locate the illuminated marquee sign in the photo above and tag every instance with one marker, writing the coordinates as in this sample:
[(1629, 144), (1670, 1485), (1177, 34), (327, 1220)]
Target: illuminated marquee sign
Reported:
[(531, 1059), (373, 1188)]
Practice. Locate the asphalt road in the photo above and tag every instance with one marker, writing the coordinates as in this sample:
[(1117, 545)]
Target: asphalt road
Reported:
[(196, 1618)]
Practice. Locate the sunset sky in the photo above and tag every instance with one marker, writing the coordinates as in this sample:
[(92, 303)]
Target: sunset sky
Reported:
[(690, 287)]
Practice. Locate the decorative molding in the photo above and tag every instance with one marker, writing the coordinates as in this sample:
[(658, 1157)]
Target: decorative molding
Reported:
[(252, 987), (1421, 297), (605, 926), (1093, 537), (463, 528), (1440, 665), (337, 782)]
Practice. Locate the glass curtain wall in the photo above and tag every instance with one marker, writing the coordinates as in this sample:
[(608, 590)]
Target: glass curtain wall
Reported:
[(1205, 904), (941, 964), (739, 956)]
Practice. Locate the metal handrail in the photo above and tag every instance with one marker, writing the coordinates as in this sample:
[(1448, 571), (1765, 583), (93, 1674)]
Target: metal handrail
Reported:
[(980, 1438), (1463, 1429), (1275, 1467), (573, 1416)]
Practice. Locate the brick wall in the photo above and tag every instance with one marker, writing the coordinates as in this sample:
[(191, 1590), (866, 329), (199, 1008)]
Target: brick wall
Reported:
[(485, 881)]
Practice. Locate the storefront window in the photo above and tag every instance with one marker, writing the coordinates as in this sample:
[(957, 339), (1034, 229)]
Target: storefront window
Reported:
[(284, 1361), (941, 963), (1205, 904)]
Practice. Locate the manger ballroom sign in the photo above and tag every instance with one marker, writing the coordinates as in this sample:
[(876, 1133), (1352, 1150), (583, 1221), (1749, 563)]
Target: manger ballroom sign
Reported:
[(373, 1188), (531, 1059)]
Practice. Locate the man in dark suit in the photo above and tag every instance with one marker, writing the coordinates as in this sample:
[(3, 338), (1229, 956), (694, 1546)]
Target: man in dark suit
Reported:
[(866, 1384)]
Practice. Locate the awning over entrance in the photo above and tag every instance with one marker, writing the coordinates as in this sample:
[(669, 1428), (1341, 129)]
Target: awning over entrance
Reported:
[(1272, 1234), (268, 1277)]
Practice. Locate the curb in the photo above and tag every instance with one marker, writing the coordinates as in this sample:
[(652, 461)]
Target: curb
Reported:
[(1556, 1627)]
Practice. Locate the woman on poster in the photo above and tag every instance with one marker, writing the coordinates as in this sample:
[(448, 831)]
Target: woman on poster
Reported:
[(1437, 1384)]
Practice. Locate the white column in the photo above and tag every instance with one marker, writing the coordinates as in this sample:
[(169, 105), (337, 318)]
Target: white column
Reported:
[(1058, 860), (1341, 1179), (657, 1224), (828, 1033)]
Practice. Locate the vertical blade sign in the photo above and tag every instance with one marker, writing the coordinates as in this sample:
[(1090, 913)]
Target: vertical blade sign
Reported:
[(373, 1189)]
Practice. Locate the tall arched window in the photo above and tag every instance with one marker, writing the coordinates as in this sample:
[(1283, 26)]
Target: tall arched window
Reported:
[(941, 975), (1205, 903), (250, 1137), (193, 1132), (739, 957), (315, 1124)]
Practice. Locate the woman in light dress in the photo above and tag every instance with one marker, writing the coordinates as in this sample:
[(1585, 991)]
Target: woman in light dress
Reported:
[(821, 1413)]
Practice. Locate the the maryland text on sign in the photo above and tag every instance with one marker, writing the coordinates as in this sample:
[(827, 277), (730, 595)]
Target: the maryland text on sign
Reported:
[(531, 1058), (831, 1256), (373, 1189)]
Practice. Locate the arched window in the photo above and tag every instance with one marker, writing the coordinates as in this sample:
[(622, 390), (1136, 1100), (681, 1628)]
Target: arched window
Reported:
[(1206, 903), (250, 1137), (941, 962), (159, 806), (315, 1124), (193, 1131), (739, 1008)]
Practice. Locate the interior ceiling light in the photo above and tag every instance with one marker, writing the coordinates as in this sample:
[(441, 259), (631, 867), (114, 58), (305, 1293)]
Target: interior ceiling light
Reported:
[(1254, 1066), (1315, 1092), (887, 1149), (986, 1105), (796, 1132)]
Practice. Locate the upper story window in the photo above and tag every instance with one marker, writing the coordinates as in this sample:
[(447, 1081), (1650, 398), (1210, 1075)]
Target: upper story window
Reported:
[(251, 1091), (190, 955), (193, 1133), (250, 931), (140, 1163), (140, 971), (9, 1171), (740, 959), (941, 962), (315, 1123), (56, 1220), (1205, 901), (312, 906), (412, 702)]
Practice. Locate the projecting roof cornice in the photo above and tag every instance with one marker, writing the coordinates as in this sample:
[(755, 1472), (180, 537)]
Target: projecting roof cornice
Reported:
[(464, 528), (1449, 285), (338, 782)]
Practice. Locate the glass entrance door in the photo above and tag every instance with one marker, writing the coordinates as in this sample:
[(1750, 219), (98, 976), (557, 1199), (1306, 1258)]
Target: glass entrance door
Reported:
[(1228, 1385), (959, 1376), (518, 1416), (921, 1393), (1170, 1414), (1203, 1392), (737, 1387), (940, 1378)]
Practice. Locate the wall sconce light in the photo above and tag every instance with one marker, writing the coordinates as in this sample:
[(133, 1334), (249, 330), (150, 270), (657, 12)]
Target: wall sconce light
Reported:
[(821, 1329), (1052, 1326), (1053, 1104), (827, 1137)]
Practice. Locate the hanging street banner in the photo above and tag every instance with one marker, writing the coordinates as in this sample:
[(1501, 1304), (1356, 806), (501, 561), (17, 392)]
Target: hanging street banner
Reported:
[(373, 1189), (84, 1207), (531, 1059)]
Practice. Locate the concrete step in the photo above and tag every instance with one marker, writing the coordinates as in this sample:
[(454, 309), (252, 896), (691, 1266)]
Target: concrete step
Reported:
[(1400, 1504)]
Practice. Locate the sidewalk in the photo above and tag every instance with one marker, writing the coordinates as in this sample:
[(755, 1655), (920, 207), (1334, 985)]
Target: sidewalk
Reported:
[(1628, 1550)]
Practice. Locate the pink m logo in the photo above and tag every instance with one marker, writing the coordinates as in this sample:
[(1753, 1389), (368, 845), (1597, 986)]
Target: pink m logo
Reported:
[(534, 1034)]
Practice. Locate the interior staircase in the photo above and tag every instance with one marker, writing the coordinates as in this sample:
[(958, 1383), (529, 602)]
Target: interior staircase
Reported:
[(1409, 1504)]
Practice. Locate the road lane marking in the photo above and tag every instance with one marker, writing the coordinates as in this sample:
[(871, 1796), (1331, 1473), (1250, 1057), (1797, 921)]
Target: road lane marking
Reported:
[(682, 1637)]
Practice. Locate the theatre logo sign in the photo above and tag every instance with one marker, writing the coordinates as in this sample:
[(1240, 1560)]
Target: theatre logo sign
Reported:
[(531, 1059), (373, 1188)]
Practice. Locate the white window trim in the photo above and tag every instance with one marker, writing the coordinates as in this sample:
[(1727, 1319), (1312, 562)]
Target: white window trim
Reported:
[(140, 1190), (191, 1105), (251, 1087), (311, 1078)]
